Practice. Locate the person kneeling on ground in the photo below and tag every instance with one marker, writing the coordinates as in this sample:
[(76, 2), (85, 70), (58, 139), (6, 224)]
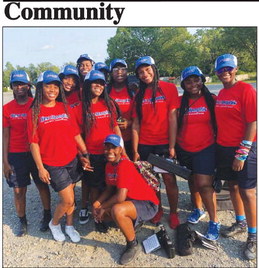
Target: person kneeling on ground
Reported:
[(128, 199)]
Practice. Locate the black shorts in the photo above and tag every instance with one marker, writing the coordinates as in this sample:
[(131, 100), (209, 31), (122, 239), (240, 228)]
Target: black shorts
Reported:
[(202, 162), (96, 178), (247, 177), (146, 210), (62, 177), (24, 168), (128, 148), (144, 150)]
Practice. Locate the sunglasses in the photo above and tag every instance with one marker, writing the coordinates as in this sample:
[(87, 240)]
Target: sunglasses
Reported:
[(117, 69), (225, 69)]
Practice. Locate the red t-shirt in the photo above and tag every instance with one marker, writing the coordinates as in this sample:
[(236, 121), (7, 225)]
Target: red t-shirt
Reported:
[(197, 131), (125, 175), (101, 127), (55, 134), (125, 103), (154, 127), (235, 107), (15, 118), (73, 98)]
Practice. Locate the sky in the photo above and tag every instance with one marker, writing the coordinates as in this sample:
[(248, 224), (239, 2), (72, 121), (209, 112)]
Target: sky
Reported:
[(58, 45)]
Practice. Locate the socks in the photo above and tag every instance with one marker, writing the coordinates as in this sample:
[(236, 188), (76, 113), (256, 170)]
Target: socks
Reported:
[(240, 218), (23, 219), (132, 243)]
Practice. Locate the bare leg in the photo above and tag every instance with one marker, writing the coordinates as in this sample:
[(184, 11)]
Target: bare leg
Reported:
[(20, 200)]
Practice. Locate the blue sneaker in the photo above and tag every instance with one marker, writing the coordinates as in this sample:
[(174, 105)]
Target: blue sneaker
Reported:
[(196, 216), (213, 231)]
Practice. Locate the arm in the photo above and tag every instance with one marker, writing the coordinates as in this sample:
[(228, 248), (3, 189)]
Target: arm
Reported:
[(172, 131), (125, 124), (117, 131), (249, 136), (43, 173), (135, 138), (7, 167)]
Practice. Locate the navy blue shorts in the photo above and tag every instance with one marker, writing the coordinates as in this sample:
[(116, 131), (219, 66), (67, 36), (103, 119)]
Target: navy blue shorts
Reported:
[(62, 177), (24, 168), (247, 177), (144, 150), (202, 162), (96, 178), (146, 210)]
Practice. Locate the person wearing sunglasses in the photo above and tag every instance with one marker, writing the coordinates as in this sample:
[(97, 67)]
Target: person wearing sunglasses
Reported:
[(236, 148)]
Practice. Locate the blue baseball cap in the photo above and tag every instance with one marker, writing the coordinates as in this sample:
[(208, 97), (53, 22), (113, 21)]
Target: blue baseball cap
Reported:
[(68, 70), (114, 139), (48, 77), (95, 75), (84, 57), (189, 71), (116, 61), (225, 60), (101, 65), (144, 60), (19, 76)]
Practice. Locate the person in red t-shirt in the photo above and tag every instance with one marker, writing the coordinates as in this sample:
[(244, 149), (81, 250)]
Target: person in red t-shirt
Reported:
[(54, 141), (102, 67), (119, 90), (98, 119), (195, 146), (70, 80), (127, 199), (236, 148), (155, 126), (18, 163)]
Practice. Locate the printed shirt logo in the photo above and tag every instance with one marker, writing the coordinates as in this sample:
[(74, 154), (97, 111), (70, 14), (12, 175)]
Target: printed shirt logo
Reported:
[(158, 99), (52, 118), (195, 111), (122, 101), (18, 116), (226, 103), (112, 178), (103, 114)]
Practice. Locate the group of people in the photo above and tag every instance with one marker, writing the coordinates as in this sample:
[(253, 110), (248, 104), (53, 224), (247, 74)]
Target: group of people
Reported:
[(89, 123)]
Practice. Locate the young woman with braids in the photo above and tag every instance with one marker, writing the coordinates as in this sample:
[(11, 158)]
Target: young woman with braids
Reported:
[(18, 163), (98, 119), (119, 90), (195, 146), (155, 126), (54, 141)]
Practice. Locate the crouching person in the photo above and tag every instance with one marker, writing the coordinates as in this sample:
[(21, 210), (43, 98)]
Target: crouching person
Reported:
[(128, 199)]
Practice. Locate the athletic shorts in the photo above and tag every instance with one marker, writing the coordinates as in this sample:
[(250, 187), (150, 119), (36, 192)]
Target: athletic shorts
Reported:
[(247, 177), (202, 162), (144, 150), (146, 210), (24, 168), (96, 178), (62, 177)]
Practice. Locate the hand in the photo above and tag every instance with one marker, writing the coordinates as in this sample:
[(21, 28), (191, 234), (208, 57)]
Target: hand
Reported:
[(238, 165), (136, 156), (99, 216), (44, 175), (172, 153), (86, 165), (7, 171), (124, 124)]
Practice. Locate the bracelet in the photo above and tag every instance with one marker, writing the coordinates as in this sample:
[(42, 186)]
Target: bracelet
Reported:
[(247, 144), (86, 155)]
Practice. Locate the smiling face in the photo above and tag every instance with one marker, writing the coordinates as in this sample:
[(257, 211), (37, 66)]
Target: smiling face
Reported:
[(112, 153), (50, 92), (193, 85), (146, 74), (20, 89), (69, 83), (227, 76), (97, 88), (85, 67)]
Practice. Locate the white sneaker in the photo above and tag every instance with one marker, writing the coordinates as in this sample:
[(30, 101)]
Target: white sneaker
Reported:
[(72, 233), (57, 232)]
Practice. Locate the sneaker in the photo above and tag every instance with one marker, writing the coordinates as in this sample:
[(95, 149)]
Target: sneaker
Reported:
[(45, 222), (196, 216), (57, 232), (174, 220), (22, 228), (250, 249), (234, 229), (101, 227), (72, 233), (158, 216), (83, 216), (130, 253), (213, 231)]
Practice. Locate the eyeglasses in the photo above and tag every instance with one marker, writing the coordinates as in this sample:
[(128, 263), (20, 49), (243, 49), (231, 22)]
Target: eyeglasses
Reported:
[(117, 69), (224, 69)]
